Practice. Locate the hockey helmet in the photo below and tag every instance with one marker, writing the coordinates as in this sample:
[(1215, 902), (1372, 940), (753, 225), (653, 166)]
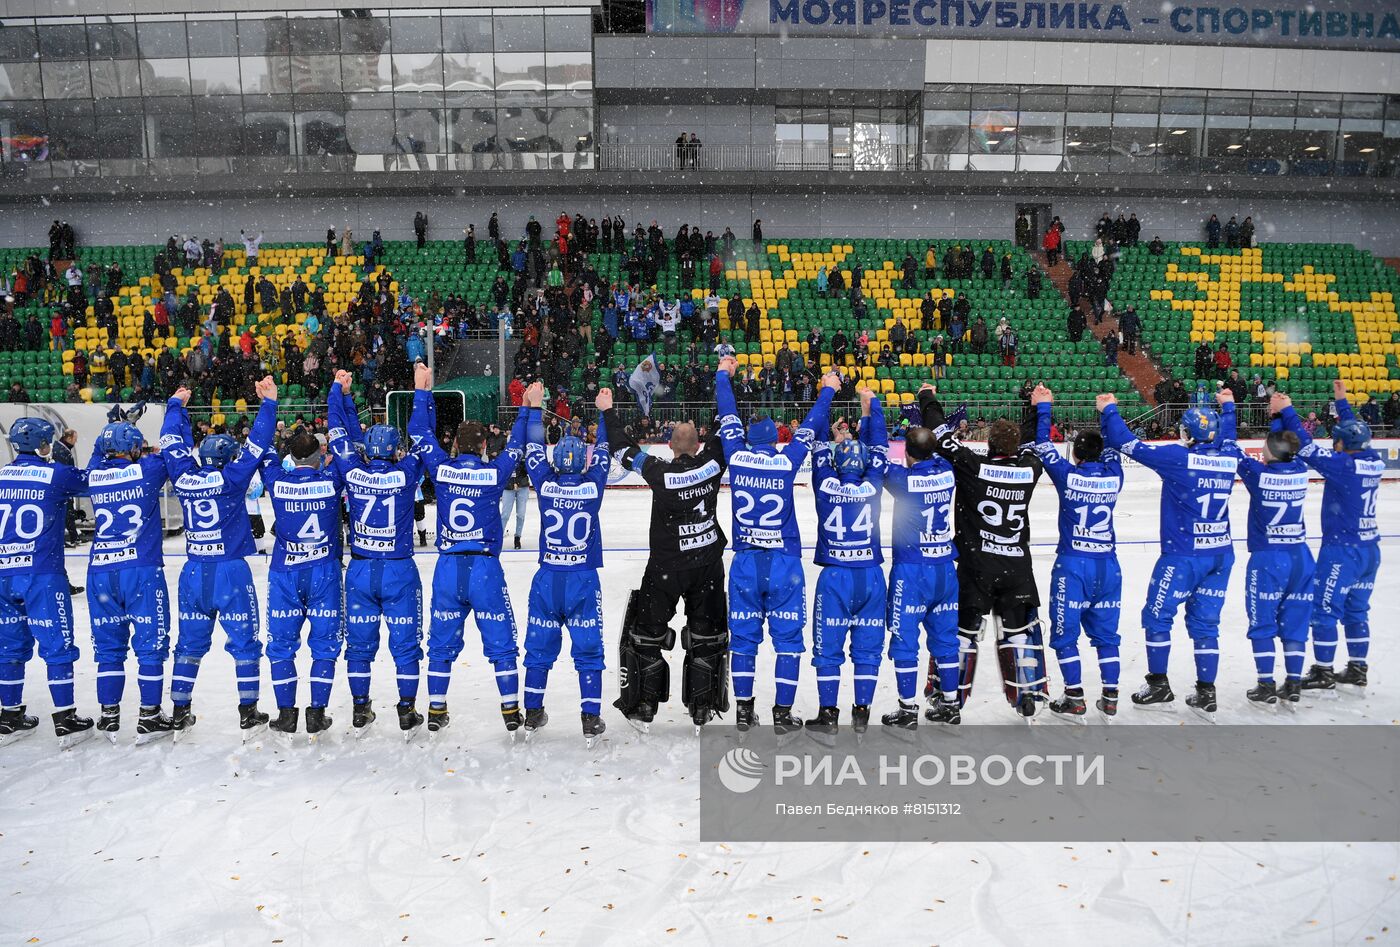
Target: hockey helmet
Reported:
[(381, 442), (1200, 425), (31, 435), (570, 455), (120, 437), (1353, 434), (763, 431), (217, 450), (850, 458), (1087, 447)]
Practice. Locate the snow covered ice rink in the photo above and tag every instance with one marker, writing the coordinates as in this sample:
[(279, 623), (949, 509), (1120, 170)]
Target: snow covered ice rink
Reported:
[(465, 838)]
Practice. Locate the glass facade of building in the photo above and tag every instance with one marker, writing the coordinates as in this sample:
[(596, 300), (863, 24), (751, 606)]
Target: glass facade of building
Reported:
[(1047, 128), (847, 131), (277, 92)]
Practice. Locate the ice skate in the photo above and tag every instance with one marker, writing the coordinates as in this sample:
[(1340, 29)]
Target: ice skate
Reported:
[(1352, 678), (152, 725), (1263, 696), (1070, 708), (642, 716), (510, 714), (110, 721), (438, 718), (316, 723), (286, 722), (1107, 704), (1202, 702), (182, 720), (1322, 679), (904, 717), (1155, 694), (744, 716), (15, 724), (535, 718), (784, 723), (943, 711), (593, 727), (860, 718), (71, 729), (362, 718), (410, 720), (824, 726), (251, 721)]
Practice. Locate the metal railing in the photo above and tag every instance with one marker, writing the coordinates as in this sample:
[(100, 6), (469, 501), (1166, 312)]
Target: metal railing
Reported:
[(773, 156)]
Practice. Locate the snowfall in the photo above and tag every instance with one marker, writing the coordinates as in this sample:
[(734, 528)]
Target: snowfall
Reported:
[(464, 837)]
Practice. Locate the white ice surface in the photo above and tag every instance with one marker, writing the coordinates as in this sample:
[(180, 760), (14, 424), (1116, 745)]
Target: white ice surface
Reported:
[(468, 840)]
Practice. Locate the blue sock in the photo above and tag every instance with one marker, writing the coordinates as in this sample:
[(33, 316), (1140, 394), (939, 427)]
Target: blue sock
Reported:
[(786, 668), (949, 678), (1068, 656), (11, 684), (1108, 665), (111, 682), (1159, 649), (249, 674), (590, 691), (535, 681), (1263, 658), (61, 685), (1324, 643), (322, 676), (866, 677), (741, 670), (357, 672), (906, 679), (182, 680), (439, 676), (1294, 654), (508, 682), (284, 682), (1358, 642), (828, 685), (150, 680), (1207, 659), (408, 674)]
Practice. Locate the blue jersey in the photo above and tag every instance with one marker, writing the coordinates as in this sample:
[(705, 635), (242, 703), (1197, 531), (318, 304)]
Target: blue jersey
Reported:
[(212, 498), (468, 488), (306, 514), (380, 492), (1350, 485), (126, 509), (848, 510), (570, 538), (761, 477), (1196, 484), (34, 494), (1088, 493), (1277, 493)]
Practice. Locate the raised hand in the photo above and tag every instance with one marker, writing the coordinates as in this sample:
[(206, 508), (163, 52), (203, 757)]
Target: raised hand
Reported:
[(1278, 402), (1042, 395), (1339, 389), (929, 388), (867, 395), (1103, 401), (422, 377), (266, 389), (342, 378), (182, 395), (604, 401), (831, 380), (534, 395), (729, 364), (1225, 396)]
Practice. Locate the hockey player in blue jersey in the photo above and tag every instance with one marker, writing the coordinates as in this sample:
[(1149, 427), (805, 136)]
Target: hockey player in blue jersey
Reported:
[(1279, 578), (382, 582), (766, 582), (565, 592), (923, 585), (1086, 584), (215, 583), (35, 603), (847, 480), (1350, 555), (128, 599), (304, 579), (1196, 555), (468, 577)]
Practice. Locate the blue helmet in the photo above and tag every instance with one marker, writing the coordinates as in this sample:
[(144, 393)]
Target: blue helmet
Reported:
[(29, 435), (217, 450), (1200, 425), (381, 441), (763, 431), (850, 457), (120, 437), (1354, 434), (570, 455)]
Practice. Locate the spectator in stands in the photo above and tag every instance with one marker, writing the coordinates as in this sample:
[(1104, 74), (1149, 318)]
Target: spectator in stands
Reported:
[(758, 232), (840, 346), (1213, 232), (815, 343), (1371, 412), (938, 356), (1103, 230), (1050, 243), (1133, 230), (836, 283), (956, 328), (1391, 411), (692, 147), (978, 335), (18, 394), (962, 309), (1247, 232), (989, 263), (420, 228), (1075, 324), (1006, 274), (910, 270), (1156, 247), (1204, 360), (754, 318), (1232, 232), (1033, 282), (1222, 361), (1130, 324), (1237, 386), (251, 246), (1110, 348), (1008, 343), (930, 262), (898, 333)]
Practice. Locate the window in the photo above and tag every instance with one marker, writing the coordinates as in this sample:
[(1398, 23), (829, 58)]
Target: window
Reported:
[(416, 34), (263, 75), (18, 43), (568, 33), (313, 34), (165, 76), (262, 36), (21, 81), (162, 39), (267, 134), (419, 131), (519, 34), (362, 33), (322, 133), (65, 80), (112, 40), (417, 72), (211, 37), (572, 71), (520, 72), (474, 130), (467, 34), (469, 71), (370, 131), (213, 76), (63, 42), (315, 73)]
